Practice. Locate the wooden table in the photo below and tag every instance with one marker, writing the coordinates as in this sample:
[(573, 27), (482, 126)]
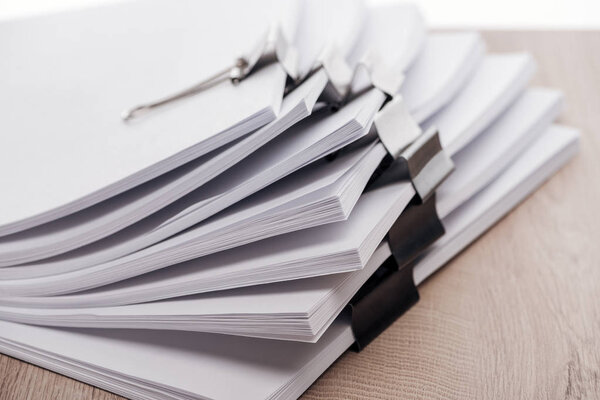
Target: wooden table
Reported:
[(515, 316)]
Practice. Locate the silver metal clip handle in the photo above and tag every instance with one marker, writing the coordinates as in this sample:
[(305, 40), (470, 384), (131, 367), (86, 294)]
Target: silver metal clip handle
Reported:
[(235, 74), (272, 47)]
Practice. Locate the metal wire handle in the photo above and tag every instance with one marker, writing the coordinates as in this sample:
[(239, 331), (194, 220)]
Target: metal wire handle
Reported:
[(235, 74)]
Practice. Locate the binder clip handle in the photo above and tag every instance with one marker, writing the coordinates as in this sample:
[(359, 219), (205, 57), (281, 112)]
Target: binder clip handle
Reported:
[(270, 49), (239, 70), (235, 74)]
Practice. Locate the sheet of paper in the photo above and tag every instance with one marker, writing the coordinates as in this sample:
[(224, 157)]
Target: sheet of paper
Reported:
[(323, 26), (444, 65), (393, 36), (513, 132), (202, 364), (64, 91), (544, 157), (492, 88)]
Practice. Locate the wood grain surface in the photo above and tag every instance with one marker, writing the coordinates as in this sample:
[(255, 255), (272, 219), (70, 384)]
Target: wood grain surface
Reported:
[(515, 316)]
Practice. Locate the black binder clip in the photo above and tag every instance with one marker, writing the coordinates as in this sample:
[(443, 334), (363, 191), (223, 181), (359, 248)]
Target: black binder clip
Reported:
[(423, 162), (391, 290), (388, 294), (272, 47)]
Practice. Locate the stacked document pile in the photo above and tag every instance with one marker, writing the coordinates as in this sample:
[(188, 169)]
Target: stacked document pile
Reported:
[(216, 201)]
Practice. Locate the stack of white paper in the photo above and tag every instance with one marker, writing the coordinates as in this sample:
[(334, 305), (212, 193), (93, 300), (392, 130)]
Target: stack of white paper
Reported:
[(201, 365), (233, 312), (121, 211), (65, 90), (485, 158), (226, 232), (489, 83)]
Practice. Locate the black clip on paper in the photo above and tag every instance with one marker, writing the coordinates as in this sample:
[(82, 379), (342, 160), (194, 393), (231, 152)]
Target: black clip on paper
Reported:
[(424, 163), (391, 290), (388, 294)]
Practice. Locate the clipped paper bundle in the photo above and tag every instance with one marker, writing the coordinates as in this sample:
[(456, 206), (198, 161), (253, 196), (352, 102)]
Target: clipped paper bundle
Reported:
[(200, 203)]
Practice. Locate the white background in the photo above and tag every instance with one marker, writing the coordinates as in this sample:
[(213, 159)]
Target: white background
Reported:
[(532, 14)]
